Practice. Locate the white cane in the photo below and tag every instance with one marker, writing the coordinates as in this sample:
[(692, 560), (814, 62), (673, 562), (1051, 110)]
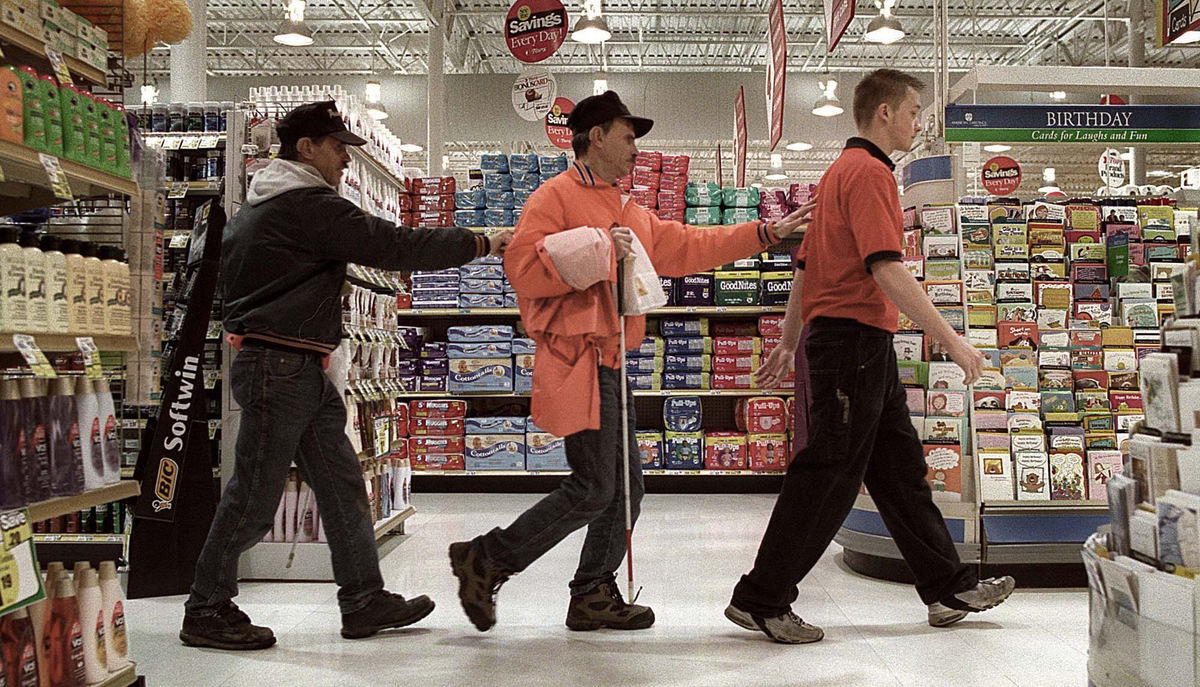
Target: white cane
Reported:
[(620, 289)]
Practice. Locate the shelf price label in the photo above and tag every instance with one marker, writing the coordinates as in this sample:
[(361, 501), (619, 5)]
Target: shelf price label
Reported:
[(210, 140), (20, 583), (58, 178), (171, 143), (383, 436), (33, 356), (91, 357), (177, 189), (59, 65), (190, 142)]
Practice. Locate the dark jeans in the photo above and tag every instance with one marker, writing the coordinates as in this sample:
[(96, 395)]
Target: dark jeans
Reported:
[(859, 432), (290, 412), (593, 495)]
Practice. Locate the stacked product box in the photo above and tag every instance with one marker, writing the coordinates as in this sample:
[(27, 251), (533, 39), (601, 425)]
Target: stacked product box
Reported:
[(470, 206), (683, 440), (495, 443), (740, 205), (543, 450), (765, 421), (432, 201), (737, 284), (523, 351), (435, 367), (497, 191), (507, 183), (482, 284), (770, 272), (658, 183), (435, 289), (437, 434), (481, 358), (775, 279), (686, 338), (703, 204), (645, 364), (761, 441)]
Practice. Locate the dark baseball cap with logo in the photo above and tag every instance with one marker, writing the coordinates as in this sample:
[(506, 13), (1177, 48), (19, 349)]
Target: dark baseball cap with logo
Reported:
[(313, 120), (597, 110)]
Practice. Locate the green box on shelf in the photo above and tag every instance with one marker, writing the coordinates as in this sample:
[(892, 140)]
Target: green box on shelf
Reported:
[(703, 216), (737, 288)]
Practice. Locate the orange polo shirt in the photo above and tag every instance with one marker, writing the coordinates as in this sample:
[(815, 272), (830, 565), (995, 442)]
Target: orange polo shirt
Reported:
[(857, 222)]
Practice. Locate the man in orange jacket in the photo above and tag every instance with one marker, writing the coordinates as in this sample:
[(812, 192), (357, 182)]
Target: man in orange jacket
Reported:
[(576, 380)]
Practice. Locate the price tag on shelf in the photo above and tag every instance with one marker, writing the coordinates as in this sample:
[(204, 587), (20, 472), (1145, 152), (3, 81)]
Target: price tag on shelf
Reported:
[(60, 66), (171, 142), (191, 142), (33, 355), (210, 140), (383, 436), (214, 426), (58, 178), (20, 583), (91, 356), (178, 189), (211, 377), (180, 238), (214, 330)]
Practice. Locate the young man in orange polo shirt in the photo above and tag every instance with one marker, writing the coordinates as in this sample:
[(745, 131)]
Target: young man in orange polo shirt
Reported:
[(848, 289)]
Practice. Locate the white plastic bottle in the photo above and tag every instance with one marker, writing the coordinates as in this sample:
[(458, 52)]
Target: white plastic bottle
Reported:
[(37, 285), (91, 434), (78, 315), (107, 413), (56, 278), (91, 618), (116, 639), (97, 314), (116, 291), (14, 301)]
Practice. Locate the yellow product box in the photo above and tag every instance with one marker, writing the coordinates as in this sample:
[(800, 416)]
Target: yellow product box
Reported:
[(22, 15)]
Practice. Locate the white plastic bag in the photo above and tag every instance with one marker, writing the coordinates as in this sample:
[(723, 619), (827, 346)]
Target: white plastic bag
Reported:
[(642, 288)]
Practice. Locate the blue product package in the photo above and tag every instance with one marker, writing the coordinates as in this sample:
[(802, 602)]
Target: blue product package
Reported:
[(435, 281), (501, 424), (448, 304), (495, 452), (433, 383), (687, 363), (687, 345), (683, 450), (485, 333), (499, 200), (438, 295), (435, 367), (526, 182), (521, 197), (433, 349), (554, 163), (686, 380), (531, 426), (481, 301), (493, 163), (494, 349), (682, 413), (477, 271), (470, 285), (643, 365), (523, 372), (651, 347), (498, 218), (408, 366), (487, 374), (668, 288), (469, 200), (510, 300), (544, 451), (523, 162), (547, 177), (410, 383), (676, 326), (645, 382), (516, 216), (469, 218), (497, 182), (522, 346), (488, 260), (696, 290)]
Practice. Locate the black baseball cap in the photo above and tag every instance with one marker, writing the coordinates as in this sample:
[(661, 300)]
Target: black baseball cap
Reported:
[(596, 110), (313, 120)]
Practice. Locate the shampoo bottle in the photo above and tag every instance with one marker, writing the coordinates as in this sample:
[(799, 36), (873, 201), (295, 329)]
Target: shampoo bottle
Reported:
[(91, 617), (20, 650), (14, 299), (12, 436), (66, 450), (36, 284), (116, 642), (64, 638), (56, 285), (91, 434), (94, 271), (107, 413), (35, 461), (78, 315)]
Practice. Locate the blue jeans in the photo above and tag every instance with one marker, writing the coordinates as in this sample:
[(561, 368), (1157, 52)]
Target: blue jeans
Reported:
[(593, 495), (290, 412)]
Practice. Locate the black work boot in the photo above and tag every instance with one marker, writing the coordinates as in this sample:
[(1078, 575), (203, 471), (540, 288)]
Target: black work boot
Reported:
[(604, 607), (479, 580), (229, 628), (384, 611)]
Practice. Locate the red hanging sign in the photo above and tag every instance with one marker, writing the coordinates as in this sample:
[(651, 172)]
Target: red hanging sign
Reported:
[(720, 177), (556, 123), (838, 15), (739, 138), (1001, 176), (535, 29), (776, 72)]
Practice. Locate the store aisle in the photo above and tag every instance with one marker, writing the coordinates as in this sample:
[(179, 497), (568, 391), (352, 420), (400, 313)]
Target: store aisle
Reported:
[(689, 551)]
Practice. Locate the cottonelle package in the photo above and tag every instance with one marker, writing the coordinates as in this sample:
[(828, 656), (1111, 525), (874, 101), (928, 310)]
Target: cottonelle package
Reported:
[(741, 198), (703, 195)]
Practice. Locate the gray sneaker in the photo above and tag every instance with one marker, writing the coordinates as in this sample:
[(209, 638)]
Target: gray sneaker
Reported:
[(785, 629), (985, 594)]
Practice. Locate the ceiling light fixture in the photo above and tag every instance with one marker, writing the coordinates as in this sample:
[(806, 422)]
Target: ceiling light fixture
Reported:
[(775, 176), (799, 146), (828, 105), (884, 29), (1058, 95), (1048, 189), (293, 32), (149, 94), (997, 148), (375, 107), (591, 28), (410, 148), (1049, 175), (1159, 173), (599, 86)]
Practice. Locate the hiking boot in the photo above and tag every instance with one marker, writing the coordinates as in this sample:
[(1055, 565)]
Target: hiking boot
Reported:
[(229, 629), (785, 629), (384, 611), (478, 582), (604, 607), (985, 594)]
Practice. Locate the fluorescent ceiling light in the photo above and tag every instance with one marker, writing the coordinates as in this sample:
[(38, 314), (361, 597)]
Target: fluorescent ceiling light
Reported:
[(997, 148), (884, 30), (373, 91), (799, 146), (410, 148), (292, 32), (377, 111), (599, 86), (591, 31), (828, 105), (1048, 175), (1058, 95), (1048, 189), (756, 185), (775, 176)]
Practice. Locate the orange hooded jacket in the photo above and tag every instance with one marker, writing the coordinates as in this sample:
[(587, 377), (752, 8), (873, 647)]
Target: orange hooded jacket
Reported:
[(577, 330)]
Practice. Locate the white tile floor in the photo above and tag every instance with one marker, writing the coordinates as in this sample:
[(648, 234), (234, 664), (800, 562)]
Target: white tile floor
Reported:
[(689, 551)]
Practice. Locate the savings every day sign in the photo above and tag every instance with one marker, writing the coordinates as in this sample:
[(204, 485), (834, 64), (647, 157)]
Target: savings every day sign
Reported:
[(1104, 124)]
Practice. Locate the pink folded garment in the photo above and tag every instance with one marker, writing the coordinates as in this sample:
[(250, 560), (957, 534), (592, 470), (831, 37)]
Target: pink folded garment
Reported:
[(582, 256)]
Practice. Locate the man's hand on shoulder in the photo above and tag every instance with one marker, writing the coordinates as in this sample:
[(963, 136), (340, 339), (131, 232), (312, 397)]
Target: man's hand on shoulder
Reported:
[(789, 225), (499, 241)]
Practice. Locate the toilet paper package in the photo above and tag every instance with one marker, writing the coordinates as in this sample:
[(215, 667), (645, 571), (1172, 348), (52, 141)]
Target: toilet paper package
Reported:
[(487, 333), (490, 349), (470, 200), (500, 424), (552, 163), (520, 197), (469, 218), (480, 374), (522, 346), (495, 451), (472, 285), (544, 451), (523, 373), (527, 183), (493, 163), (523, 163), (477, 271), (497, 182), (481, 301), (498, 200), (682, 413), (498, 218)]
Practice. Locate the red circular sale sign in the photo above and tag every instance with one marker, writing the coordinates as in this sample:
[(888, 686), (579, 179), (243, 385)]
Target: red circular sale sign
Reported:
[(534, 29), (1001, 176), (556, 123)]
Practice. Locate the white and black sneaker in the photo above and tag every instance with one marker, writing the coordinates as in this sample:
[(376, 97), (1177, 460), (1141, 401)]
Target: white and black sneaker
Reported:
[(785, 629), (984, 595)]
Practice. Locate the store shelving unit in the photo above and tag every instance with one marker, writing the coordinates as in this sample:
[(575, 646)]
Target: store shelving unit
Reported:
[(65, 343), (52, 508), (122, 678), (26, 184), (35, 47)]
